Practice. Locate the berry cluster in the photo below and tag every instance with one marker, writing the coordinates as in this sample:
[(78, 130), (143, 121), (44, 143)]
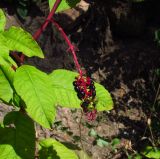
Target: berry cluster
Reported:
[(84, 86)]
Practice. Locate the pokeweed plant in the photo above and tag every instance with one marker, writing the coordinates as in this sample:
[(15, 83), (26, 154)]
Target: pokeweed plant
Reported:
[(35, 94)]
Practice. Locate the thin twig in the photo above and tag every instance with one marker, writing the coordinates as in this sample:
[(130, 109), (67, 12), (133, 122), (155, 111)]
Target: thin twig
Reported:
[(80, 131)]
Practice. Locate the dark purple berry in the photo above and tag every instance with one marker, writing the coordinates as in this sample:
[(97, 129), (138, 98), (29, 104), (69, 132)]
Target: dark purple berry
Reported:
[(93, 94), (92, 87), (80, 96), (92, 83), (85, 104), (82, 93), (85, 110), (74, 83), (76, 89)]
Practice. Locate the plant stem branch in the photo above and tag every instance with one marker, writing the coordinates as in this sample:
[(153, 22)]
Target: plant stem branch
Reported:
[(40, 30), (43, 27), (71, 47), (45, 24)]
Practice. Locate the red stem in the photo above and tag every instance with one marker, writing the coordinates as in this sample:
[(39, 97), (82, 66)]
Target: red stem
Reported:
[(40, 30), (45, 24), (71, 47)]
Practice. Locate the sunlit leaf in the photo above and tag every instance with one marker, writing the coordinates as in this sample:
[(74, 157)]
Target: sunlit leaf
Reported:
[(102, 143), (151, 152), (6, 91), (52, 149), (93, 133), (36, 90), (17, 39)]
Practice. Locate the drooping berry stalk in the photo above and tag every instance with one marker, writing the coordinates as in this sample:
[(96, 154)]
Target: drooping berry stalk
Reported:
[(84, 86), (71, 47)]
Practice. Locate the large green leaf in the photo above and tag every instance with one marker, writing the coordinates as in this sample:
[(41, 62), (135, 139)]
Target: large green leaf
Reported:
[(36, 90), (66, 96), (2, 20), (18, 141), (6, 92), (64, 5), (17, 39), (52, 149)]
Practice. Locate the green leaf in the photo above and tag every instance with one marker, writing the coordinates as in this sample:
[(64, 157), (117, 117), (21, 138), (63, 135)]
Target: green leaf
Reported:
[(3, 62), (18, 141), (151, 152), (137, 156), (2, 20), (64, 5), (17, 39), (66, 96), (5, 59), (36, 90), (157, 72), (1, 125), (115, 141), (9, 73), (4, 55), (129, 157), (22, 12), (104, 98), (52, 149), (93, 133), (16, 101), (102, 143), (6, 92)]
